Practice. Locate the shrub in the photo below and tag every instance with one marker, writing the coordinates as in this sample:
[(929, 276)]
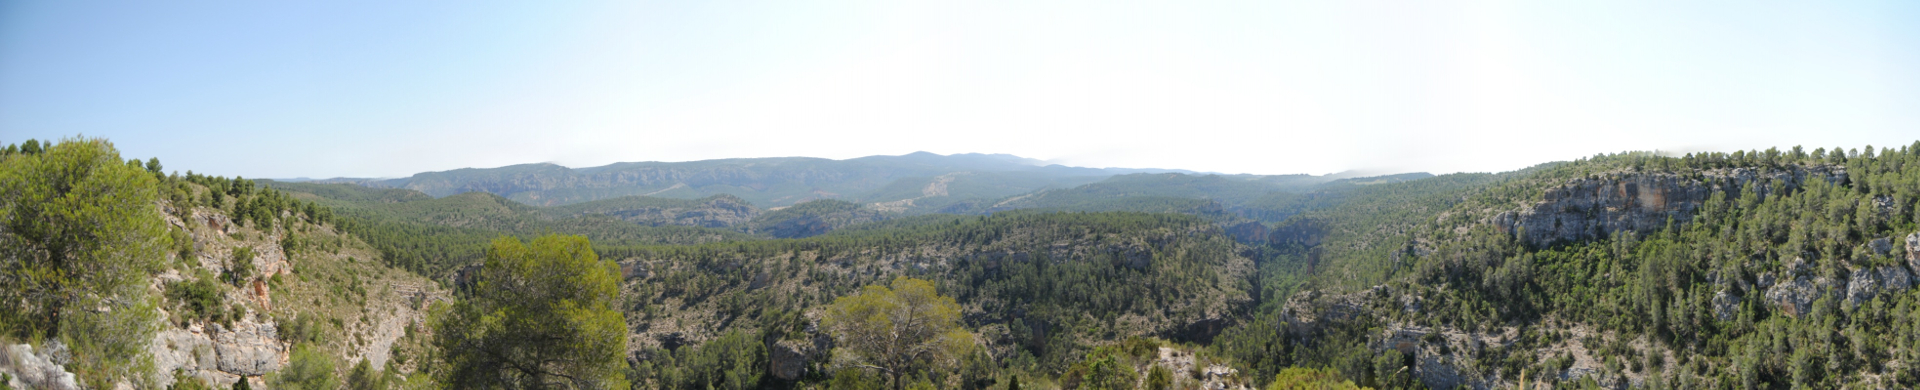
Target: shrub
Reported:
[(308, 369), (200, 297)]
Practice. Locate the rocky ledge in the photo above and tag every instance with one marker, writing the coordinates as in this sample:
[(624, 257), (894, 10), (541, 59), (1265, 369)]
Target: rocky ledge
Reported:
[(1596, 207)]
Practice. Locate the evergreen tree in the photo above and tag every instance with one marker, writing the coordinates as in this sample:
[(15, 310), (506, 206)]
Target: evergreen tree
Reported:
[(80, 233), (539, 316)]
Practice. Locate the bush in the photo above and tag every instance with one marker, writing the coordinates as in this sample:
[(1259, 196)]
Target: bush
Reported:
[(308, 369), (363, 377), (303, 329), (240, 269), (1159, 378), (200, 297), (181, 381), (1307, 378)]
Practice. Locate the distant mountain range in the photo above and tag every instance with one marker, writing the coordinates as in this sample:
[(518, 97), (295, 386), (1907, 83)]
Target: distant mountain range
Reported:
[(918, 181)]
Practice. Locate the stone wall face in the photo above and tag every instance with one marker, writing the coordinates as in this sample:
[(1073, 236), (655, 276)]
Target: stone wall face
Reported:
[(1597, 207)]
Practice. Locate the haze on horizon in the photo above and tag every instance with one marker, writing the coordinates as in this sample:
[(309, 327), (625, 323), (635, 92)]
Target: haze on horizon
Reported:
[(383, 89)]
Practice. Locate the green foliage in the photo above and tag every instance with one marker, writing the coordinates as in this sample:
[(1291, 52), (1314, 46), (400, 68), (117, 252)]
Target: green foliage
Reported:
[(734, 361), (302, 328), (856, 379), (308, 368), (1170, 268), (181, 381), (1259, 347), (1104, 369), (1298, 378), (435, 237), (1159, 378), (364, 377), (813, 218), (80, 233), (898, 329), (202, 298), (540, 314), (240, 267)]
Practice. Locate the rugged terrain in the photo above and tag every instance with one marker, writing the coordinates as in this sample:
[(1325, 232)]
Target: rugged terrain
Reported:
[(352, 305)]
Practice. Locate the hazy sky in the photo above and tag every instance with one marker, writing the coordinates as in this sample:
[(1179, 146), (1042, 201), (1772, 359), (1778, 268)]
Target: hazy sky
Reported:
[(389, 88)]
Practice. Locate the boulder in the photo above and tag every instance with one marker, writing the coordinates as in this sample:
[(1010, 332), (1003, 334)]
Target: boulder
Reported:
[(249, 349), (1913, 253), (1725, 306), (35, 371), (1881, 246), (1866, 283), (1795, 297)]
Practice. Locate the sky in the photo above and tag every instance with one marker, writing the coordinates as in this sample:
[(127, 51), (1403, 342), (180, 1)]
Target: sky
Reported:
[(353, 88)]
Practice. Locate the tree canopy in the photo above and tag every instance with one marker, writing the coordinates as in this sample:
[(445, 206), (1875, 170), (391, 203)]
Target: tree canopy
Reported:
[(540, 316), (79, 233), (896, 330)]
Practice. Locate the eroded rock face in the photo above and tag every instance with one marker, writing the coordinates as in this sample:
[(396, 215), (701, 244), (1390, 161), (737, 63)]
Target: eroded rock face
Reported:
[(249, 349), (1866, 283), (1725, 306), (1913, 253), (1799, 287), (717, 212), (35, 371), (1795, 297), (1441, 360), (189, 350), (1593, 208)]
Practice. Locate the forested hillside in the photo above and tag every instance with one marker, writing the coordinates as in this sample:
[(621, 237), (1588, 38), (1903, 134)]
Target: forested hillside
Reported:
[(1770, 269), (1040, 289), (1776, 269), (436, 236), (766, 181), (188, 281)]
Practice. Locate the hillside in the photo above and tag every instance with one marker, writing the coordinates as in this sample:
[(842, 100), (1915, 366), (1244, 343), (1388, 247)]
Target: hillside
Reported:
[(1047, 286), (243, 283), (312, 285), (1770, 269), (436, 236), (1754, 269), (763, 181)]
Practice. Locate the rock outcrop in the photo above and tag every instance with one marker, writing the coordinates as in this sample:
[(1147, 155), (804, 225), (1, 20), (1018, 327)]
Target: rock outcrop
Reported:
[(1796, 287), (713, 212), (29, 370), (217, 354), (1913, 253), (1725, 305), (1442, 360), (1866, 283), (1596, 207)]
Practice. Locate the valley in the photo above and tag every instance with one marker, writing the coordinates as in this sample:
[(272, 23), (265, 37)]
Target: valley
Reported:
[(1750, 269)]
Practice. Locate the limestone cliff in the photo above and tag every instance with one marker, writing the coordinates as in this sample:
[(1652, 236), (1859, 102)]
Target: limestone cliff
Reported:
[(1598, 206), (359, 308)]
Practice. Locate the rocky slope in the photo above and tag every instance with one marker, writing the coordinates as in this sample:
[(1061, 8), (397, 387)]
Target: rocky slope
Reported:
[(358, 309), (718, 211), (1598, 206), (361, 307), (1566, 227)]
